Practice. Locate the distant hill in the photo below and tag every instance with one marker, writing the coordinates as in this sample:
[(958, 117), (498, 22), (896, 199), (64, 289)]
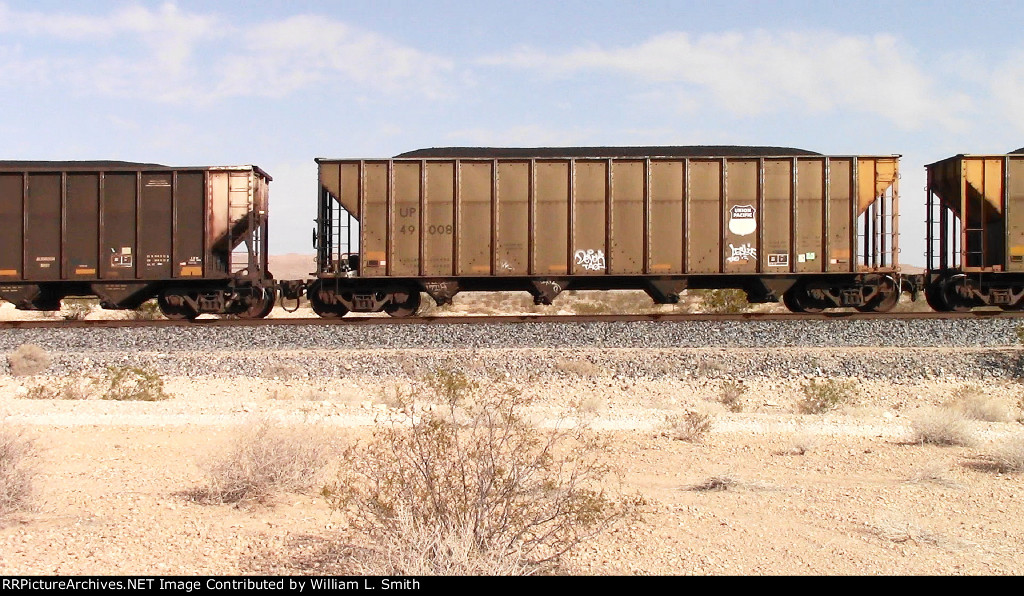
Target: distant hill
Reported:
[(292, 266)]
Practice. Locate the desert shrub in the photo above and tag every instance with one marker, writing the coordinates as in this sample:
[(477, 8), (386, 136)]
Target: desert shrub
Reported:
[(731, 395), (802, 444), (691, 427), (147, 311), (491, 303), (1009, 456), (461, 556), (265, 458), (728, 301), (116, 383), (710, 368), (470, 487), (715, 483), (28, 359), (429, 308), (595, 302), (132, 383), (17, 471), (280, 370), (284, 393), (591, 308), (451, 387), (897, 528), (974, 404), (593, 404), (933, 473), (819, 396), (393, 396), (73, 388), (77, 309), (939, 426), (41, 391), (581, 367)]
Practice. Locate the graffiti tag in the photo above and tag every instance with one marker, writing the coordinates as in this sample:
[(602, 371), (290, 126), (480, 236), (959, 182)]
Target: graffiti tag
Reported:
[(592, 260), (743, 252)]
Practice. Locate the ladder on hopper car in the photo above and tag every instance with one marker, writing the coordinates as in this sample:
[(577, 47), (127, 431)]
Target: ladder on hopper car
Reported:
[(334, 237), (877, 234), (942, 244), (244, 220), (952, 244)]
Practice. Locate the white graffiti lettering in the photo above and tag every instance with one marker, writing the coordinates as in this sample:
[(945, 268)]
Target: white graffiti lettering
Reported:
[(743, 252), (592, 260), (555, 287)]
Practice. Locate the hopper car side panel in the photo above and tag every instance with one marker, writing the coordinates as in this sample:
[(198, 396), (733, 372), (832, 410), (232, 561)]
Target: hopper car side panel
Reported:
[(81, 259), (130, 232), (662, 224)]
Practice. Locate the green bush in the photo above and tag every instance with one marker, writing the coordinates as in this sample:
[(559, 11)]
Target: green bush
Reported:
[(728, 301), (820, 396), (77, 309), (74, 388), (131, 383), (147, 311)]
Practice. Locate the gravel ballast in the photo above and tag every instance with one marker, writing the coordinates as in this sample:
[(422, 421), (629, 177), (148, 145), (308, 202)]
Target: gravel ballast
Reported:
[(875, 349), (637, 334)]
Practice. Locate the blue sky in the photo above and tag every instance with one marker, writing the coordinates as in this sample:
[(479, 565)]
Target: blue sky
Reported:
[(278, 83)]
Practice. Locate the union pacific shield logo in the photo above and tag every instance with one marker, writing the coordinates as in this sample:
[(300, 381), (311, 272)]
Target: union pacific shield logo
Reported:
[(742, 220)]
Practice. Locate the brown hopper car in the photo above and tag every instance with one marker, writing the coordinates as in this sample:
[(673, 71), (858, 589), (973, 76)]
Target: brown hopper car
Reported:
[(194, 238), (815, 231), (975, 232)]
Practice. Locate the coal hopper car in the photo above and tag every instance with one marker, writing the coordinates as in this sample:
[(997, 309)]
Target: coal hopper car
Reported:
[(812, 230), (194, 238), (975, 232)]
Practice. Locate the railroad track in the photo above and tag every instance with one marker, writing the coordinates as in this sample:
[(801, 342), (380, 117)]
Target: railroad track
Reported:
[(507, 319)]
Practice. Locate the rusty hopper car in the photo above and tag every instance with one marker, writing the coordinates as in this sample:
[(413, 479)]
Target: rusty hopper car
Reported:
[(814, 230), (975, 240), (194, 238)]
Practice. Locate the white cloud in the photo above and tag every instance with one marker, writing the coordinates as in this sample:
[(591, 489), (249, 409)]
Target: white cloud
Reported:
[(763, 72), (170, 55), (305, 50), (167, 37), (1007, 82), (127, 20), (15, 66)]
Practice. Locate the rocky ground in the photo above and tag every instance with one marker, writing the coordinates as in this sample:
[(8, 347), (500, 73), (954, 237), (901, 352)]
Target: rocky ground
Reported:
[(844, 492), (767, 489)]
